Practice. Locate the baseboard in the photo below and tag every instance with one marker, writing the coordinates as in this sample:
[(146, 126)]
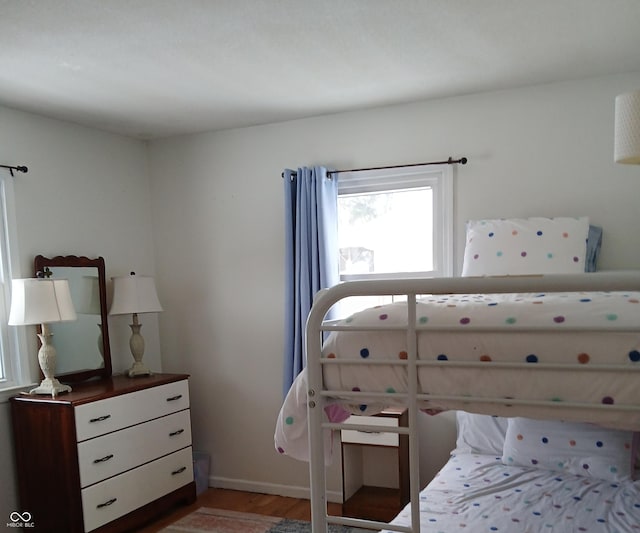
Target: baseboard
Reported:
[(269, 488)]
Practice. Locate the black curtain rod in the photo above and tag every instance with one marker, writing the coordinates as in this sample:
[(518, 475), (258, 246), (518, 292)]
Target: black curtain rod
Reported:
[(450, 161), (20, 168)]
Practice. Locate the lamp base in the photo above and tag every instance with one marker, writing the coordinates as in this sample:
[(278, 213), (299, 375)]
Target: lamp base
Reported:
[(138, 369), (136, 343), (50, 386)]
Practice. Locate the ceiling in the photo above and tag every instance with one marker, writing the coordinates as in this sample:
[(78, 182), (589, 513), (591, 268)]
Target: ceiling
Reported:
[(156, 68)]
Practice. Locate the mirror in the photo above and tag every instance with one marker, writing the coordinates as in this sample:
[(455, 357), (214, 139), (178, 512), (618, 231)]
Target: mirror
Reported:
[(82, 345)]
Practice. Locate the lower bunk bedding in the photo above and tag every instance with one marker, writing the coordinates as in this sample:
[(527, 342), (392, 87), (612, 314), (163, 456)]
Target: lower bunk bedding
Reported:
[(477, 493), (531, 476)]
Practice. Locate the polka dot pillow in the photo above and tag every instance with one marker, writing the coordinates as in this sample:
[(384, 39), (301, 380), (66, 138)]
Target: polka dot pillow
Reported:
[(525, 246), (575, 448)]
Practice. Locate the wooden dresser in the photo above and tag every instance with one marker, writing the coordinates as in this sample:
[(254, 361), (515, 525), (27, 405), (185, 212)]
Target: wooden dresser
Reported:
[(106, 457)]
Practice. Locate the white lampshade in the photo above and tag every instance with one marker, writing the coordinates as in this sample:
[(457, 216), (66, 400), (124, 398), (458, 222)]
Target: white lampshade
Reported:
[(134, 294), (40, 301), (627, 129)]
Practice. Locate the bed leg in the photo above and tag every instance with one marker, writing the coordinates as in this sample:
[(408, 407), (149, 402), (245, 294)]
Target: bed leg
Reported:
[(317, 471)]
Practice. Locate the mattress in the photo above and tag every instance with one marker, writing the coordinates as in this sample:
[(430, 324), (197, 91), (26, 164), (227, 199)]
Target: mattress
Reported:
[(573, 355), (478, 493), (551, 348)]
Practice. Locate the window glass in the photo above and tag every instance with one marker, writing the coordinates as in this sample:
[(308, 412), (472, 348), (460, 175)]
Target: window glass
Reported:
[(11, 369), (394, 223), (386, 232)]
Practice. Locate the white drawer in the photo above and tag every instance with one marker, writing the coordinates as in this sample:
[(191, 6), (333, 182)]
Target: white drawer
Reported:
[(111, 414), (115, 497), (114, 453), (373, 438)]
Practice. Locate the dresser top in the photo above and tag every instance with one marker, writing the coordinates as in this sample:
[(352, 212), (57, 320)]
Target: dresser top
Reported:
[(91, 391)]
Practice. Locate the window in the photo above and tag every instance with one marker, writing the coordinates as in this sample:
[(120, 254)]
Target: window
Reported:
[(12, 372), (395, 223)]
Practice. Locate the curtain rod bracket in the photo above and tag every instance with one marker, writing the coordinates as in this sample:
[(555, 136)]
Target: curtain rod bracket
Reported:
[(19, 168)]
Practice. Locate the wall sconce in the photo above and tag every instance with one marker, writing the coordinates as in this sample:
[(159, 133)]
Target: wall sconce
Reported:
[(627, 129), (132, 295), (42, 301)]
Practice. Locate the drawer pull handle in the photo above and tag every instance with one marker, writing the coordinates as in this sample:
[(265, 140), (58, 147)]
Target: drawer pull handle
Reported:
[(174, 433), (103, 459), (99, 419), (179, 471), (107, 503), (174, 398)]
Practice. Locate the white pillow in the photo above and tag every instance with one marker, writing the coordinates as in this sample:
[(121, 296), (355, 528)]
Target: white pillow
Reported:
[(483, 434), (575, 448), (520, 246)]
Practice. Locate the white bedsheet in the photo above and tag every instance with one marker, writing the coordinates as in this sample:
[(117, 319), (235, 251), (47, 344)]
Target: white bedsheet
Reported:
[(530, 330), (477, 493)]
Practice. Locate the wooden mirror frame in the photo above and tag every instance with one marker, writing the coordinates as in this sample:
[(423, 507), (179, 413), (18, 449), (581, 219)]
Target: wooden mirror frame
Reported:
[(40, 264)]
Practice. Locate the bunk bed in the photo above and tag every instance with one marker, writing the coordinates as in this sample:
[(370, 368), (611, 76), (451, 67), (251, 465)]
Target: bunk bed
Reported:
[(558, 348)]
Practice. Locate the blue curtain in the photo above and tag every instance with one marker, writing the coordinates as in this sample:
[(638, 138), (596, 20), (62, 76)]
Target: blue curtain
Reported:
[(311, 254)]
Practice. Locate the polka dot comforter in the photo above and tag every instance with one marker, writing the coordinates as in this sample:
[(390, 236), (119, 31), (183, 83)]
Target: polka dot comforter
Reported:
[(544, 349), (479, 493)]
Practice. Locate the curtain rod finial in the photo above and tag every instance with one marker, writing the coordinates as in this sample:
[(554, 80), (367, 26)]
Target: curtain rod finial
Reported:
[(19, 168)]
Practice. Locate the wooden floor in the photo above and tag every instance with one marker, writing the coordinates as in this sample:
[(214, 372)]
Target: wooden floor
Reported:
[(248, 502)]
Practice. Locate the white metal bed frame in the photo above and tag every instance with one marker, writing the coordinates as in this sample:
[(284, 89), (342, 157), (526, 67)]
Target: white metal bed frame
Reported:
[(412, 288)]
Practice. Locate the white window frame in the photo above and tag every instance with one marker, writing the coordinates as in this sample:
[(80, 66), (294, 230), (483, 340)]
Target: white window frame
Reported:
[(440, 179), (14, 372)]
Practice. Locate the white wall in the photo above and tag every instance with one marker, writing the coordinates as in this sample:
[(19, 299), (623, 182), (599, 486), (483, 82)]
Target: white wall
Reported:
[(86, 193), (217, 208)]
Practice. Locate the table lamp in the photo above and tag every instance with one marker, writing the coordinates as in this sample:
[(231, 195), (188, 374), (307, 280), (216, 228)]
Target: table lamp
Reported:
[(132, 295), (42, 301)]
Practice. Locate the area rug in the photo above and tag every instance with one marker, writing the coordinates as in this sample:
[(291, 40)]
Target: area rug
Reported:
[(207, 520)]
